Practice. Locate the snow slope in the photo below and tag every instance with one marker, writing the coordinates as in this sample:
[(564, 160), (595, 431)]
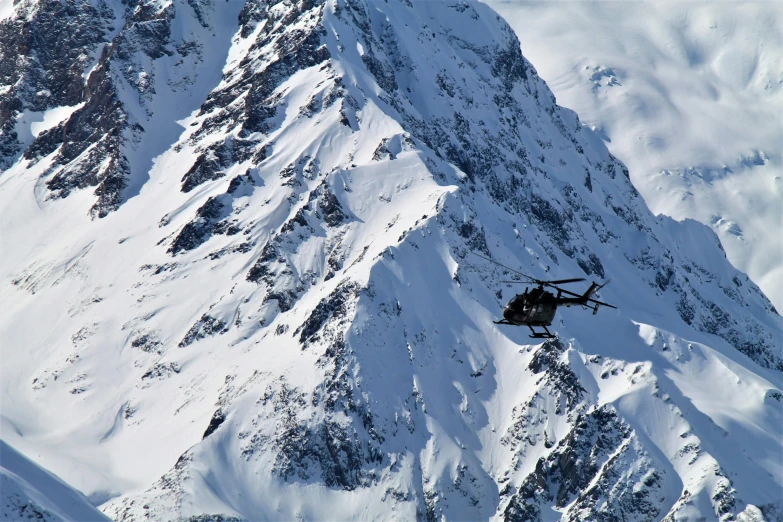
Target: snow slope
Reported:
[(31, 493), (278, 315), (689, 95)]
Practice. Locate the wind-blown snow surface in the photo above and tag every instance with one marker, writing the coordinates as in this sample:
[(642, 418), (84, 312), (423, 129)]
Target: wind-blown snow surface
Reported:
[(30, 493), (689, 95), (281, 318)]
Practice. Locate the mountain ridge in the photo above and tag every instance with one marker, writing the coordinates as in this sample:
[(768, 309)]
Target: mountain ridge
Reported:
[(688, 96), (337, 347)]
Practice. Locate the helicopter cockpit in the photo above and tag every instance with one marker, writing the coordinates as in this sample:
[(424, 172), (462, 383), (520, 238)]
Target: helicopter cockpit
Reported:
[(518, 308)]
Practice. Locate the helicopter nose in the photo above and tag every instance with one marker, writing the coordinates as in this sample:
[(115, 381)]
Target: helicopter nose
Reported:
[(508, 313)]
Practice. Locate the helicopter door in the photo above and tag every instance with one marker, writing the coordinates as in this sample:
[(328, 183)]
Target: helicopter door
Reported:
[(536, 312)]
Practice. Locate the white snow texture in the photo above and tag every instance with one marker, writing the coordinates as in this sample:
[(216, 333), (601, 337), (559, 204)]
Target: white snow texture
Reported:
[(689, 95), (239, 283)]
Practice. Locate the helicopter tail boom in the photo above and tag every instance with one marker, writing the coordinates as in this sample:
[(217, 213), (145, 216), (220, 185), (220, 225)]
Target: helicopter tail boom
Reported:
[(585, 299)]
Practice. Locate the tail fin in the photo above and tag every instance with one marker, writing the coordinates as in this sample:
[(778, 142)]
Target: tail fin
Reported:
[(590, 291)]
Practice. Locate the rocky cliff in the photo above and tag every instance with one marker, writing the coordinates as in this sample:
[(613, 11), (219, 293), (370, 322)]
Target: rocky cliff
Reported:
[(240, 269)]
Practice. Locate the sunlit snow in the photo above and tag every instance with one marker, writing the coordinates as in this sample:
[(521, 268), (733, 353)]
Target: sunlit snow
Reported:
[(283, 318), (689, 95)]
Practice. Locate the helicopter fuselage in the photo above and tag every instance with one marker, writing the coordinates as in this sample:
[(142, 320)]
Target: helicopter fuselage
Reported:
[(531, 310), (538, 307)]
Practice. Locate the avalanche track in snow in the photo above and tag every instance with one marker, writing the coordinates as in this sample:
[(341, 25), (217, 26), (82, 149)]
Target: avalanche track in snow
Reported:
[(238, 283)]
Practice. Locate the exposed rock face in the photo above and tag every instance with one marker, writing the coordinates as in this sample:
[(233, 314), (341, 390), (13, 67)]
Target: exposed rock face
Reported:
[(110, 62), (82, 159), (46, 58), (293, 274), (600, 471), (44, 53)]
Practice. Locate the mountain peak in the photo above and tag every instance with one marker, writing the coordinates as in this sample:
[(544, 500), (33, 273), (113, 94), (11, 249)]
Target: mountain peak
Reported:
[(287, 261)]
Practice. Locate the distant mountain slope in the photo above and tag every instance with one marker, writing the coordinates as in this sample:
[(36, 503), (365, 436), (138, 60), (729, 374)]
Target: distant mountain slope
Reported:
[(689, 95), (279, 315), (28, 492)]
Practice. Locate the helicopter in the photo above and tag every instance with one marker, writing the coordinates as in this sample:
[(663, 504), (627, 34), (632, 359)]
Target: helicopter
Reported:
[(538, 306)]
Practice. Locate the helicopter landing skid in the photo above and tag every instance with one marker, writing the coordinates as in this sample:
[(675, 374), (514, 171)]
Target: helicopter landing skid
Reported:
[(546, 334)]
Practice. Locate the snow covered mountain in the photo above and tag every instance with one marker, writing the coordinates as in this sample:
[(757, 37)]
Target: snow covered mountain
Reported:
[(689, 95), (30, 493), (238, 278)]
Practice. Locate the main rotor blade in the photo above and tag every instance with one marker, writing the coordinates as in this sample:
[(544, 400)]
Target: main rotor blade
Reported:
[(517, 282), (564, 281), (589, 300), (602, 303), (567, 292), (548, 283), (504, 266)]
